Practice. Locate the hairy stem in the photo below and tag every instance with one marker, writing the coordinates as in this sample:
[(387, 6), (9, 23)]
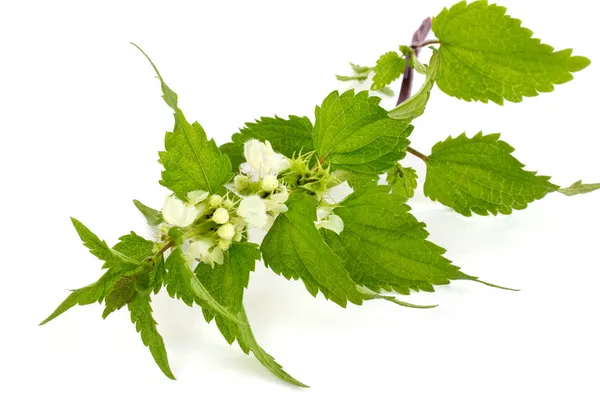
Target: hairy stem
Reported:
[(407, 80)]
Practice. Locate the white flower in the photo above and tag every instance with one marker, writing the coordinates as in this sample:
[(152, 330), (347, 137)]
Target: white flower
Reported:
[(269, 183), (262, 160), (226, 231), (224, 244), (178, 213), (276, 202), (215, 201), (206, 251), (327, 220), (220, 216), (253, 210), (197, 196)]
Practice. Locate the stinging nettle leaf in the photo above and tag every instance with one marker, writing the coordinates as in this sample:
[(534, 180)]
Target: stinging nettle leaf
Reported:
[(133, 246), (181, 283), (479, 175), (226, 283), (487, 55), (191, 161), (385, 248), (389, 67), (153, 216), (141, 316), (415, 106), (294, 248), (354, 133)]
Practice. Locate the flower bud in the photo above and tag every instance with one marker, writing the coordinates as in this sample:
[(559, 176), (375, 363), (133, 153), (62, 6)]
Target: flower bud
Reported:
[(237, 237), (241, 182), (228, 204), (224, 244), (215, 201), (226, 232), (221, 216), (269, 183)]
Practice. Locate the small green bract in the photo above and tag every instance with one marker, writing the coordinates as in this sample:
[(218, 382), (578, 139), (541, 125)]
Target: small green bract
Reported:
[(276, 174)]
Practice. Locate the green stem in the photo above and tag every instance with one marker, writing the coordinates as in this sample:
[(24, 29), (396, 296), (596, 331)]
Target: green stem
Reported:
[(418, 154)]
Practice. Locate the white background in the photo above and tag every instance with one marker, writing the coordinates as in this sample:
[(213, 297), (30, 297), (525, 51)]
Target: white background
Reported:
[(81, 121)]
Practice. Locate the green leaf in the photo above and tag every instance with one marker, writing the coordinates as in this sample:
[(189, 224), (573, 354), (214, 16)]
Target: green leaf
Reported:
[(287, 136), (360, 69), (403, 181), (132, 246), (358, 181), (181, 283), (122, 292), (293, 248), (169, 96), (358, 77), (579, 188), (153, 216), (386, 91), (384, 247), (479, 175), (415, 106), (487, 55), (141, 316), (355, 134), (98, 247), (191, 161), (261, 355), (389, 67), (86, 295), (226, 283)]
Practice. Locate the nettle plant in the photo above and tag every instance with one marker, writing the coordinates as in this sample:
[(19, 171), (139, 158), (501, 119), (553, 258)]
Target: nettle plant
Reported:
[(276, 175)]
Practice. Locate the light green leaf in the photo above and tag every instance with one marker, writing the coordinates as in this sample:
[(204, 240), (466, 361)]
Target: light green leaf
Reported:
[(293, 248), (287, 136), (226, 283), (360, 69), (355, 134), (141, 316), (389, 67), (487, 55), (415, 106), (191, 161), (153, 216), (181, 283), (479, 175), (579, 188), (358, 181), (403, 181), (261, 355), (132, 246), (385, 248), (358, 77), (386, 91)]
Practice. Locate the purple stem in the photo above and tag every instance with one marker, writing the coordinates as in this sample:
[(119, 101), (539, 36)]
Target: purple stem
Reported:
[(407, 80)]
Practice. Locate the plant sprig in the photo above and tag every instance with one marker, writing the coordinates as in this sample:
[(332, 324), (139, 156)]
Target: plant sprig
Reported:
[(277, 173)]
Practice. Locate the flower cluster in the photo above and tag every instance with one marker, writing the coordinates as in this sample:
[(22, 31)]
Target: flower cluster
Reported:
[(211, 223)]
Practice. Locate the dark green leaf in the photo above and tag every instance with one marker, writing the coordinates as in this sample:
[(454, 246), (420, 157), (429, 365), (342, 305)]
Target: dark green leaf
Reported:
[(293, 248)]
